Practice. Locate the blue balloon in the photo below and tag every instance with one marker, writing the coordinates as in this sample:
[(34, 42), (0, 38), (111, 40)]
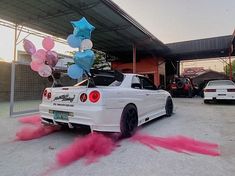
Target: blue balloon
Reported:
[(74, 41), (82, 28), (85, 59), (75, 72)]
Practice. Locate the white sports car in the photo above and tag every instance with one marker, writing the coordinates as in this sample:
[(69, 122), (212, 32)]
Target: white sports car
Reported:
[(219, 90), (108, 101)]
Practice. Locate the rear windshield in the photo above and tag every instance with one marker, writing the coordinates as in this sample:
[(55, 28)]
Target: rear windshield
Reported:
[(101, 81), (220, 83)]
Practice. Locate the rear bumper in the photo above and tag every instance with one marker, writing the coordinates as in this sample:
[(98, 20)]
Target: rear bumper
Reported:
[(98, 118), (220, 96)]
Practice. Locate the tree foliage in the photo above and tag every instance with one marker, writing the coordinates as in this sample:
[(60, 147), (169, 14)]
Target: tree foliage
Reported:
[(227, 69), (100, 61)]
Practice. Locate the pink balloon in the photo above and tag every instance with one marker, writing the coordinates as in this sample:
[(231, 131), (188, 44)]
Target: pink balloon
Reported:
[(29, 47), (51, 58), (39, 56), (35, 65), (44, 71), (48, 43)]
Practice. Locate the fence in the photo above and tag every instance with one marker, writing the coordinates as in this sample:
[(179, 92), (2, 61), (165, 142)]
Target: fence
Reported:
[(22, 88)]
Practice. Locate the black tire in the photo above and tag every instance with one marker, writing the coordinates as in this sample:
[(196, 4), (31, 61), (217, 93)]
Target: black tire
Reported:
[(190, 93), (206, 101), (180, 84), (172, 93), (129, 121), (169, 106)]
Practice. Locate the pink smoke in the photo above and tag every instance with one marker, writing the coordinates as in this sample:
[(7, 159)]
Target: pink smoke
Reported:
[(35, 130), (178, 144), (91, 148), (34, 120)]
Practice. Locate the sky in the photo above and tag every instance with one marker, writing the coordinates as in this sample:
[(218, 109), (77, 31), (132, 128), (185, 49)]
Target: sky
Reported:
[(169, 20)]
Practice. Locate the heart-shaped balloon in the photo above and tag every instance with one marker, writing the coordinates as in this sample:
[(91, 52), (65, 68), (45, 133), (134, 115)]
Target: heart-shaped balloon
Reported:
[(85, 59)]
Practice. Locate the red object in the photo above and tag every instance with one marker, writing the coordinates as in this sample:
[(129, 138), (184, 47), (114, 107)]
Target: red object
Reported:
[(231, 90), (94, 96), (187, 87), (83, 97), (178, 144), (91, 148), (173, 86), (34, 132), (45, 93), (49, 95), (209, 90), (35, 120)]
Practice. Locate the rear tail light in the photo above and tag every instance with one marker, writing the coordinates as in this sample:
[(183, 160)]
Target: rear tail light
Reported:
[(231, 90), (45, 93), (173, 85), (83, 97), (49, 95), (209, 90), (94, 96)]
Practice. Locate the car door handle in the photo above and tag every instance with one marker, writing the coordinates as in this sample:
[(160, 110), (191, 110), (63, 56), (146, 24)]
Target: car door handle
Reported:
[(147, 94)]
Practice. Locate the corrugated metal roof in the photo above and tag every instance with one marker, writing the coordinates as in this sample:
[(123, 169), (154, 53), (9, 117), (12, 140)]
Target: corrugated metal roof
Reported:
[(115, 30), (202, 48)]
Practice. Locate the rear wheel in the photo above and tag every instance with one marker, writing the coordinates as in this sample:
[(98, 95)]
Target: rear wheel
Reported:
[(129, 121), (190, 93), (206, 101), (169, 106)]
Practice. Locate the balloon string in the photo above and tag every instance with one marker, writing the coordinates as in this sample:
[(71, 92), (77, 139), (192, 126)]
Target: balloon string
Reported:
[(53, 80)]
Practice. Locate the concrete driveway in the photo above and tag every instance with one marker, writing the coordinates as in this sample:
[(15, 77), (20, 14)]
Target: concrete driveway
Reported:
[(213, 123)]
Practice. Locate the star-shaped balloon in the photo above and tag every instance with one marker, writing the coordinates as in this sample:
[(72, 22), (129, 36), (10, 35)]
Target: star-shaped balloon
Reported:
[(82, 28)]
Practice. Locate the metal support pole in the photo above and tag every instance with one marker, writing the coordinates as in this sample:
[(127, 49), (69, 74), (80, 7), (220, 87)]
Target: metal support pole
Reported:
[(230, 67), (134, 58), (178, 68), (13, 74)]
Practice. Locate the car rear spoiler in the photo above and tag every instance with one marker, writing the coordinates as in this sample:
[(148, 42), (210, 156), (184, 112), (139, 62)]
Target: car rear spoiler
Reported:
[(118, 76)]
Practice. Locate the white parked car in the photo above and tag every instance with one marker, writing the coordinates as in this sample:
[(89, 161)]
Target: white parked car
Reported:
[(109, 101), (219, 90)]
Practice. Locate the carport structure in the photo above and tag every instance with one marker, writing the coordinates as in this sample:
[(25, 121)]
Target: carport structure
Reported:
[(222, 46), (117, 34)]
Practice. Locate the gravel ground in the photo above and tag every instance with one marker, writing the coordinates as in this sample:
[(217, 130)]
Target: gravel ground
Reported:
[(214, 123)]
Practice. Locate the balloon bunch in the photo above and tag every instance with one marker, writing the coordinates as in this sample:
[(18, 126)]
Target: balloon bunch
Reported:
[(84, 58), (43, 60)]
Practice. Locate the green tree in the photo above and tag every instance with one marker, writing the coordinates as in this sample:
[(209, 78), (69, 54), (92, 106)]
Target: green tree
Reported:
[(227, 69), (100, 61)]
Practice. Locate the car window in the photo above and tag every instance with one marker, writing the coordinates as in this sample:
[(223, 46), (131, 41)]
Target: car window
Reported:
[(100, 80), (147, 84), (220, 83)]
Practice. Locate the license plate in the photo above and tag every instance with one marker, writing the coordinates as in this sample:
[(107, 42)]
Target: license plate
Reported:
[(59, 115)]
